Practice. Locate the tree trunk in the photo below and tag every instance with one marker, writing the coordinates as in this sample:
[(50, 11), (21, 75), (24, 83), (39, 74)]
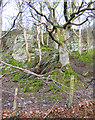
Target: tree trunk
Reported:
[(80, 44), (39, 47), (47, 38), (41, 9), (63, 55), (88, 37), (1, 58), (0, 21)]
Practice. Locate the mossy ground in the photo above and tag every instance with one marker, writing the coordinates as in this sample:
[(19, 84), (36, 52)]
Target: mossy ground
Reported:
[(32, 84)]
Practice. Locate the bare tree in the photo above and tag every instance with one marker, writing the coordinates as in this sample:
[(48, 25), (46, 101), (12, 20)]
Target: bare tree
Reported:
[(39, 47), (80, 42), (0, 50), (56, 30), (41, 9), (24, 30), (55, 25)]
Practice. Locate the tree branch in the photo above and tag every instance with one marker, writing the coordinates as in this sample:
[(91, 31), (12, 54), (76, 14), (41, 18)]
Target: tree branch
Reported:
[(21, 69), (8, 74), (11, 27), (75, 33), (80, 23), (24, 70), (50, 34), (39, 12), (51, 109)]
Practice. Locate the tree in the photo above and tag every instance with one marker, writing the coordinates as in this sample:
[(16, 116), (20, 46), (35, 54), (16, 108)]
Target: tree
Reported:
[(1, 6), (24, 30), (56, 30), (56, 27), (0, 50), (80, 42)]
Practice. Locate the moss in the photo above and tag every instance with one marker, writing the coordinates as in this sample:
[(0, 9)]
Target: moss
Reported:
[(50, 88), (33, 86), (16, 78), (11, 86), (54, 97), (61, 79), (57, 90), (67, 75), (28, 64), (47, 48), (85, 56), (59, 98), (3, 70), (8, 57)]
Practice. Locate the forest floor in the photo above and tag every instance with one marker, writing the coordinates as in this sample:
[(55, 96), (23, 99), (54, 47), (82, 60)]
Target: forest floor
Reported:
[(39, 104)]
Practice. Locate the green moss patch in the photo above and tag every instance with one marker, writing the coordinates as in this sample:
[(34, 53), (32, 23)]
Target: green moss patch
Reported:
[(84, 57), (33, 87)]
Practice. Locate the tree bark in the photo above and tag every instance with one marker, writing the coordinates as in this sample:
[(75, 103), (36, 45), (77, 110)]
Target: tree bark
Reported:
[(0, 21), (0, 51), (41, 9), (39, 47), (80, 43), (88, 37), (25, 37), (63, 55)]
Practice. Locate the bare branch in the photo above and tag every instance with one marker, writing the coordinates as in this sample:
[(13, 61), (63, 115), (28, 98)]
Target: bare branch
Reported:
[(11, 27), (8, 74), (80, 6), (51, 109), (21, 69), (24, 70), (80, 23), (75, 33), (39, 12), (50, 34), (5, 4)]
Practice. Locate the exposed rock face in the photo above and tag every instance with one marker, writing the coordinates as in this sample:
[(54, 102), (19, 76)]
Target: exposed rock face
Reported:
[(19, 52), (19, 48)]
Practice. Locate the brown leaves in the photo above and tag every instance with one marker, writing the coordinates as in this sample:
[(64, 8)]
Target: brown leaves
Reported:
[(83, 110)]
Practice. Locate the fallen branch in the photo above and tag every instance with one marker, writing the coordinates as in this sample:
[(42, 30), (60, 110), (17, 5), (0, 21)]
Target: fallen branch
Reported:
[(8, 74), (21, 69), (51, 109), (24, 70)]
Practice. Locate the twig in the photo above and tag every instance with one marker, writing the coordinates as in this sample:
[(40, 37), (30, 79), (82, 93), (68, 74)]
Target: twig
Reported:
[(11, 27), (21, 69), (8, 74), (80, 23), (75, 33), (39, 12), (51, 109), (24, 70)]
